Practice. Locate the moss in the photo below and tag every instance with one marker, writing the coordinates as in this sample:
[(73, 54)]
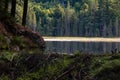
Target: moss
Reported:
[(101, 66), (17, 40), (109, 73), (4, 78), (50, 67)]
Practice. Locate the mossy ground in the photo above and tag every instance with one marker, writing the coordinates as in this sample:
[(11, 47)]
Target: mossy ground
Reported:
[(52, 66)]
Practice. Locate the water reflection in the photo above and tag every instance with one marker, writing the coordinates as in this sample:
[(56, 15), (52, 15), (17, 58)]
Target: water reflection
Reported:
[(85, 47)]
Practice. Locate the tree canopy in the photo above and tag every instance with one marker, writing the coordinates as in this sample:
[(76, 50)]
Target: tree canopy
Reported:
[(69, 17)]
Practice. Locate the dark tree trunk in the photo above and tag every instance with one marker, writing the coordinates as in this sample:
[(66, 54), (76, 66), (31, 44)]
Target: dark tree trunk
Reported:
[(24, 12), (13, 9), (0, 2), (6, 5)]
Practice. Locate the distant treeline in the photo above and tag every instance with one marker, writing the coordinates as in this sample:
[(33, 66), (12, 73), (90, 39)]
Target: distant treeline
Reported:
[(99, 18)]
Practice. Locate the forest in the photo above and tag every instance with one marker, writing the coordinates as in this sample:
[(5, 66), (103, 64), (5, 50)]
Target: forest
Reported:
[(24, 23), (90, 18)]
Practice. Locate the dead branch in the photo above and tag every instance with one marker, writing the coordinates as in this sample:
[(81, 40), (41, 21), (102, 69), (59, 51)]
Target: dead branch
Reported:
[(65, 73)]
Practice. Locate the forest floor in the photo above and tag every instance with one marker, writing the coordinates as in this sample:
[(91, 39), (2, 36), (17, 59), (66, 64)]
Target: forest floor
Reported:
[(28, 65)]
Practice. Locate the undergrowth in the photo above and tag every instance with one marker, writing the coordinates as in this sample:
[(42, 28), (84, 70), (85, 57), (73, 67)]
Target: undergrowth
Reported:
[(52, 66)]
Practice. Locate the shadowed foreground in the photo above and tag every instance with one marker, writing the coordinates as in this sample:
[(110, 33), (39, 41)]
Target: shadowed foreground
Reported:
[(53, 66)]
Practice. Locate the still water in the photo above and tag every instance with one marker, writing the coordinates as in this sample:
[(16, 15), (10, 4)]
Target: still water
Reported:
[(84, 47)]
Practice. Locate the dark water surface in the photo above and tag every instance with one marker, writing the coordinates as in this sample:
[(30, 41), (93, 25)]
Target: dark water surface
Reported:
[(84, 47)]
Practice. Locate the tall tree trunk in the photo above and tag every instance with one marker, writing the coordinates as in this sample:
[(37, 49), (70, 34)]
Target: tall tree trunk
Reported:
[(67, 19), (13, 9), (6, 5), (62, 27), (116, 27), (104, 30), (67, 24), (24, 12), (109, 30), (75, 30)]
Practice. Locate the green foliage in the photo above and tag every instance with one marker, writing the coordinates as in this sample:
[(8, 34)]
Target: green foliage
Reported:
[(71, 17), (17, 40), (7, 55), (105, 64), (4, 42), (4, 78), (85, 17), (2, 39), (112, 72)]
